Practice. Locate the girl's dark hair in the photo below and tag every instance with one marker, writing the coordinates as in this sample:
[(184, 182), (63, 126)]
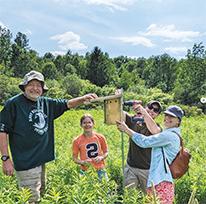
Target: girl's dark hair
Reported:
[(86, 116)]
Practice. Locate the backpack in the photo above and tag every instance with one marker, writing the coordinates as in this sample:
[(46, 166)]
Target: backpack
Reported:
[(180, 164)]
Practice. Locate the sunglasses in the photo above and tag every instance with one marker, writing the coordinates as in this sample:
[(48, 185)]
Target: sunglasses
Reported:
[(156, 110)]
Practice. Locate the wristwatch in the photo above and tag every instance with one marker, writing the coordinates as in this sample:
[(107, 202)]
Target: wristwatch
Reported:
[(5, 157)]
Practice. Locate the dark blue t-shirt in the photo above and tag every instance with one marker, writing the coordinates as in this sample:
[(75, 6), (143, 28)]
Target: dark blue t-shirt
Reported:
[(30, 126)]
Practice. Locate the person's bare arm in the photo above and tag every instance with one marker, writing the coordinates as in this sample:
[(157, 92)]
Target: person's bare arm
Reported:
[(72, 103), (81, 162), (149, 121), (7, 166)]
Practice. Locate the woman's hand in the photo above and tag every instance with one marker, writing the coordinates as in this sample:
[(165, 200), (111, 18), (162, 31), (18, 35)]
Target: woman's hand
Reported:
[(122, 127)]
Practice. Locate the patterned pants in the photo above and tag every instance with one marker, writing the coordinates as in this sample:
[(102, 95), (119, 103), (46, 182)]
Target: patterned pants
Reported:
[(164, 191)]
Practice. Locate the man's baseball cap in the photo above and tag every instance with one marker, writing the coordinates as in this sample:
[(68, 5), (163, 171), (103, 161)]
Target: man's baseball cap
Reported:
[(31, 76), (155, 103), (175, 111)]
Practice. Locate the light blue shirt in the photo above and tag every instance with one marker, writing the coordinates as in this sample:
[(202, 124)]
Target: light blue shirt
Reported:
[(171, 146)]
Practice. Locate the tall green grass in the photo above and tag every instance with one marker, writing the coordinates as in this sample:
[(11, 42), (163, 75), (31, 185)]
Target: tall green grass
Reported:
[(65, 185)]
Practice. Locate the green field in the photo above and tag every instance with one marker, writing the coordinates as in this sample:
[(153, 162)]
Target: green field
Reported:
[(64, 185)]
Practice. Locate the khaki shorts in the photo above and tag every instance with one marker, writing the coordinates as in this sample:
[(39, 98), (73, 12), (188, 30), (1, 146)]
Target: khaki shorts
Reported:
[(34, 179), (135, 178)]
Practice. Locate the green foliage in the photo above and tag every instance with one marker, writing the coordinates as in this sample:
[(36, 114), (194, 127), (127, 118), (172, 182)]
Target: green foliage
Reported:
[(8, 87), (5, 71), (100, 69), (55, 90), (72, 84), (65, 185), (60, 64), (191, 110), (146, 95), (5, 46), (193, 200), (129, 80), (69, 64), (193, 133), (70, 69), (48, 57), (24, 195), (160, 72), (157, 94), (184, 79), (49, 70), (21, 40), (191, 78), (22, 59), (82, 71), (119, 61), (88, 87)]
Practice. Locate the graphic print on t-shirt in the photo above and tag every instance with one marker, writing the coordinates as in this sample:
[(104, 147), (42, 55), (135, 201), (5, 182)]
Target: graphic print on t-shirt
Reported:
[(38, 119), (92, 150)]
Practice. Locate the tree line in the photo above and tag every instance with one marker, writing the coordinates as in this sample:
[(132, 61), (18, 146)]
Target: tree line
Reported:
[(162, 77)]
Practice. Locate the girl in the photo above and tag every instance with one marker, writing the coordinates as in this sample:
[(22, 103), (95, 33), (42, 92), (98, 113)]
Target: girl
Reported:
[(90, 148)]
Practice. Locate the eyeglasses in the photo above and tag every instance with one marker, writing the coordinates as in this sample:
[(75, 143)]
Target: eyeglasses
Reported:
[(156, 110)]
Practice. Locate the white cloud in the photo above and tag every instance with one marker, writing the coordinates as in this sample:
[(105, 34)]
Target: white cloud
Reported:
[(170, 32), (69, 40), (2, 25), (136, 40), (113, 4), (55, 53), (176, 50)]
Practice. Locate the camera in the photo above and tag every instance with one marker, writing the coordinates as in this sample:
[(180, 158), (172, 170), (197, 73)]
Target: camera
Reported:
[(132, 102), (136, 119)]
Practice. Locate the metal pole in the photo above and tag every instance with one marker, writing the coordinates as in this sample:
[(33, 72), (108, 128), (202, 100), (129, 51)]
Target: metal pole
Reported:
[(122, 147), (122, 141)]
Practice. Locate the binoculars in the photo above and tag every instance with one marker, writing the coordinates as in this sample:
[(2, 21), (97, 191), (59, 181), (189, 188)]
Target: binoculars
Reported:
[(136, 119), (132, 102)]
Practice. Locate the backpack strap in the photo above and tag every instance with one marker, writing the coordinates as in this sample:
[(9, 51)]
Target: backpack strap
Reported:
[(181, 141), (164, 158)]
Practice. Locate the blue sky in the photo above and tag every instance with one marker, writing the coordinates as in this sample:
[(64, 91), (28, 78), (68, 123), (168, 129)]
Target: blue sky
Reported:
[(133, 28)]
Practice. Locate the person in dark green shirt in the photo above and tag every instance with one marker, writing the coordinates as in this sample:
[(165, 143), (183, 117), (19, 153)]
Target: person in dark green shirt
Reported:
[(27, 121)]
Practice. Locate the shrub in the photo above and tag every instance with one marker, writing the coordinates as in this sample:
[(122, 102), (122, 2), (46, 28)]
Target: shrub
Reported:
[(191, 110), (8, 87)]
